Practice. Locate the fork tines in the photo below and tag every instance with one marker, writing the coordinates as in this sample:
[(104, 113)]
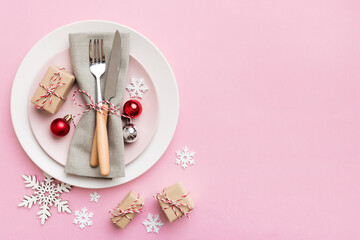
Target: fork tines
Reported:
[(96, 52)]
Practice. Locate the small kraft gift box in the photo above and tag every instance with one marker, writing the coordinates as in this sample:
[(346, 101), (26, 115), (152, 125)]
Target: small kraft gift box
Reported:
[(127, 209), (53, 89), (175, 201)]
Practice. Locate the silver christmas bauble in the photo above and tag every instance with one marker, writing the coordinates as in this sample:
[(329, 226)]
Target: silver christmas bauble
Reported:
[(130, 133)]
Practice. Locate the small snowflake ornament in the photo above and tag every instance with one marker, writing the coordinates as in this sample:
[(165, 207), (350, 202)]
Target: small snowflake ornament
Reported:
[(136, 88), (185, 157), (153, 223), (83, 218), (94, 197), (45, 194)]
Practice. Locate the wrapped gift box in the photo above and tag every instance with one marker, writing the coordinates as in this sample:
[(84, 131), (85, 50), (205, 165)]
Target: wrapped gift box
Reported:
[(133, 202), (172, 194), (56, 82)]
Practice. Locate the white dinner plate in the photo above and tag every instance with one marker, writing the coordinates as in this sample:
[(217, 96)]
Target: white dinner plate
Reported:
[(58, 148), (141, 49)]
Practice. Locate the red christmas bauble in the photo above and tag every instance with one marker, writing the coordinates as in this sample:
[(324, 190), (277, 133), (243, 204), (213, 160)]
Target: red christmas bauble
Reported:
[(60, 126), (132, 108)]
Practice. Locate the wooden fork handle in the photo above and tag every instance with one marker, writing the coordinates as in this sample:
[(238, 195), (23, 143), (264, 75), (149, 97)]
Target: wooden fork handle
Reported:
[(94, 159), (102, 142)]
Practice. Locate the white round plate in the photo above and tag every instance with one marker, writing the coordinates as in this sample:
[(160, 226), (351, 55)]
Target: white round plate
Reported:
[(141, 49)]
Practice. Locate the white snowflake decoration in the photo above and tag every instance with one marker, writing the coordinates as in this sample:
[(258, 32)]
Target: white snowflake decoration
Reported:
[(136, 87), (83, 218), (153, 223), (45, 194), (185, 157), (94, 197)]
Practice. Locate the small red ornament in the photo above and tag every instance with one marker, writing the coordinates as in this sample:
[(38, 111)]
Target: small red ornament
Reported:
[(132, 108), (61, 126)]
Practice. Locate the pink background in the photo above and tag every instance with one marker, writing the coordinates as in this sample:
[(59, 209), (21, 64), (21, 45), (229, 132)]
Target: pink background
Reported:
[(269, 94)]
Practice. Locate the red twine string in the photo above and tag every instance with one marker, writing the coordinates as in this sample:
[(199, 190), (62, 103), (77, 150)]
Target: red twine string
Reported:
[(134, 208), (99, 107), (173, 204), (55, 82)]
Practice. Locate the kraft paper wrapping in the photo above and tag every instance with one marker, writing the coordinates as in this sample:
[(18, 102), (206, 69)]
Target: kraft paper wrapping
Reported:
[(174, 192), (62, 91), (125, 204)]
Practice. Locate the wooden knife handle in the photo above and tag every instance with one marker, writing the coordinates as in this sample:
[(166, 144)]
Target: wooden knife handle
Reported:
[(102, 142), (94, 160)]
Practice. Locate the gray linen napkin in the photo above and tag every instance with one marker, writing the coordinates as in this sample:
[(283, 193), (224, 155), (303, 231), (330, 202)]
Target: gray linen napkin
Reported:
[(81, 143)]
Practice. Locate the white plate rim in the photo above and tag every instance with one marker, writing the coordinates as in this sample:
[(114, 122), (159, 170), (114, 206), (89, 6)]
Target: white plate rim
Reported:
[(154, 63)]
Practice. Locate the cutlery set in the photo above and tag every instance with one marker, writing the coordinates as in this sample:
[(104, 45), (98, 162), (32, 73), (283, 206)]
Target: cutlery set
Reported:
[(100, 146)]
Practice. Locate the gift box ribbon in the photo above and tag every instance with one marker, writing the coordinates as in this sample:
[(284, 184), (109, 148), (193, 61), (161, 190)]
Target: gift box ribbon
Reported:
[(173, 204), (134, 208), (55, 82)]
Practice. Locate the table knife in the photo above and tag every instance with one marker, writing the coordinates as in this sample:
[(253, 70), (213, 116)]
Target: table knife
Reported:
[(98, 153)]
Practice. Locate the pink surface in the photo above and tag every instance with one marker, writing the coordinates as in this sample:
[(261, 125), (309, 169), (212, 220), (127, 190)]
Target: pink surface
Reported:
[(58, 148), (269, 97)]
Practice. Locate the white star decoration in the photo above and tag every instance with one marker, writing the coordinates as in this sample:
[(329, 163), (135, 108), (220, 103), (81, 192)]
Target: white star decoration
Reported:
[(185, 157), (94, 197), (153, 223), (45, 194), (83, 218), (136, 88)]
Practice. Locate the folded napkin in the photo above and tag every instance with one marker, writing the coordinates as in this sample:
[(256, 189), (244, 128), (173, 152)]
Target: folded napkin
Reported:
[(78, 162)]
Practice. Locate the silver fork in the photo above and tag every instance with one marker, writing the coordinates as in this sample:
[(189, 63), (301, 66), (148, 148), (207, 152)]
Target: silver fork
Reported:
[(97, 63), (100, 148)]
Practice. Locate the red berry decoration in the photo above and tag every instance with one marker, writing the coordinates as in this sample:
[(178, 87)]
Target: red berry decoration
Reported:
[(132, 108), (61, 126)]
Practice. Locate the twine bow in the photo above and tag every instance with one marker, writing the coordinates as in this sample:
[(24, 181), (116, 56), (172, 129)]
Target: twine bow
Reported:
[(55, 82), (134, 208), (101, 107), (174, 204)]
